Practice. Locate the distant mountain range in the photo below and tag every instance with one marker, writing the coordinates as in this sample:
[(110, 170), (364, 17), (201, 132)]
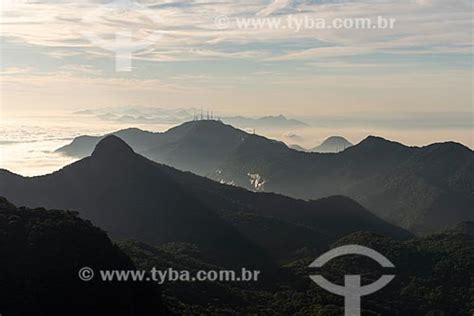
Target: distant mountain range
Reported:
[(266, 121), (333, 144), (152, 115), (138, 115), (423, 189), (135, 198)]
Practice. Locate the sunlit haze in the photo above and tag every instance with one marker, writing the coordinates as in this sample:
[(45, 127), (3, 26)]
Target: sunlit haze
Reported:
[(411, 82)]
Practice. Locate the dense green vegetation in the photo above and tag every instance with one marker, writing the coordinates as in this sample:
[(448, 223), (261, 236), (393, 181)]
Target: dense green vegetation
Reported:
[(434, 276), (41, 252)]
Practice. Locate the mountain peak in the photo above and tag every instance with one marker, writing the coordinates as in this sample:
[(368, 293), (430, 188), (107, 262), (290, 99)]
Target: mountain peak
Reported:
[(112, 146), (333, 144), (206, 123), (204, 128), (377, 141), (336, 140)]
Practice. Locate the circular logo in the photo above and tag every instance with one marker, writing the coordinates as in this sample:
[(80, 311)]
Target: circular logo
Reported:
[(86, 274), (352, 289)]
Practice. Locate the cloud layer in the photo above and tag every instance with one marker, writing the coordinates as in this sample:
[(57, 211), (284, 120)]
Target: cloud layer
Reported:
[(188, 30)]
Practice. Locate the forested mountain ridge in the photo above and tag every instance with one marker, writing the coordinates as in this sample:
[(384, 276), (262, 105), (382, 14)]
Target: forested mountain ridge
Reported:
[(423, 189), (133, 197)]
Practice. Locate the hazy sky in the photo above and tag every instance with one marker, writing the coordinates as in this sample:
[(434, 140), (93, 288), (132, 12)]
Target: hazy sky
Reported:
[(420, 70)]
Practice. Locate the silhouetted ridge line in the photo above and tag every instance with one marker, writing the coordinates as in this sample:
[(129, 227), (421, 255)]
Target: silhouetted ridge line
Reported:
[(112, 146)]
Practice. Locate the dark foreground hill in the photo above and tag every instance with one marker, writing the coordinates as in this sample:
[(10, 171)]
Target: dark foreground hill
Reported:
[(423, 189), (41, 252), (433, 276), (133, 197)]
